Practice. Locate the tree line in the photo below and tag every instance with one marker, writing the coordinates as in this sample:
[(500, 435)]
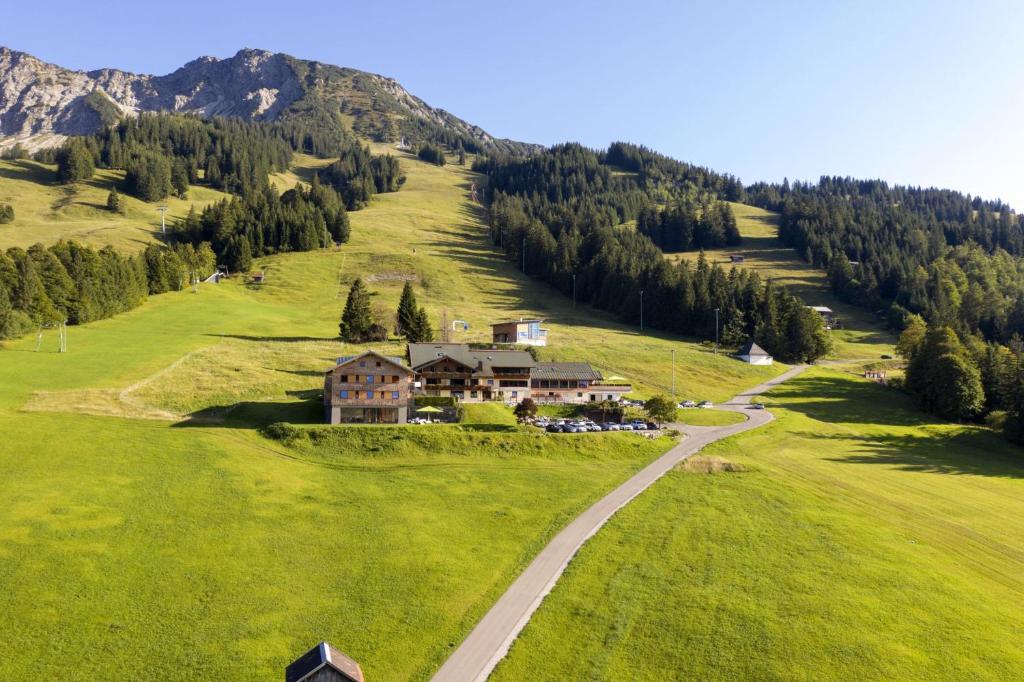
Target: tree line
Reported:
[(76, 283), (558, 216), (946, 256), (689, 226), (357, 174), (964, 379), (945, 270)]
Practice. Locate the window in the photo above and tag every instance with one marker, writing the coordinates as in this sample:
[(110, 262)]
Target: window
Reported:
[(490, 382), (394, 395), (369, 394), (356, 380), (362, 364), (344, 378), (369, 378), (394, 379), (515, 394), (357, 394), (378, 363), (343, 394), (472, 394), (579, 395)]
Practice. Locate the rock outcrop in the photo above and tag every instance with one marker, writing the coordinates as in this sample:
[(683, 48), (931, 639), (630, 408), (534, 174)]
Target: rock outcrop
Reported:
[(41, 103)]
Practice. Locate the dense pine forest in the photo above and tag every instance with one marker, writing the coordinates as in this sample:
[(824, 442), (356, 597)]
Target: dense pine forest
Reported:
[(943, 267), (559, 215), (163, 154)]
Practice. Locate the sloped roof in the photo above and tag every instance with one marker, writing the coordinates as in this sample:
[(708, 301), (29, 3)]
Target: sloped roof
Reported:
[(421, 354), (398, 362), (752, 348), (321, 656), (525, 320), (565, 371)]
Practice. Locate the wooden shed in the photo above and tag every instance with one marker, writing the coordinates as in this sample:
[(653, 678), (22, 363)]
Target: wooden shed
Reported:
[(323, 663)]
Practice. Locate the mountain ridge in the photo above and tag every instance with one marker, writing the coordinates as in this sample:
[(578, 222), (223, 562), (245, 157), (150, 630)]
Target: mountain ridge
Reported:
[(42, 103)]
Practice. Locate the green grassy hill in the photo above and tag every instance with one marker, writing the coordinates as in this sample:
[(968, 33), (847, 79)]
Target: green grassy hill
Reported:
[(46, 211), (862, 541), (862, 335), (147, 522)]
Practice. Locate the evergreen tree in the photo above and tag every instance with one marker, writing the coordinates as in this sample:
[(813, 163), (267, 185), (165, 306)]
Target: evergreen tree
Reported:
[(6, 214), (114, 201), (74, 162), (357, 318), (407, 313), (424, 332)]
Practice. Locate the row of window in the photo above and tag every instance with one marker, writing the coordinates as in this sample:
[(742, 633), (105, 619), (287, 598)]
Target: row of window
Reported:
[(368, 394), (368, 379)]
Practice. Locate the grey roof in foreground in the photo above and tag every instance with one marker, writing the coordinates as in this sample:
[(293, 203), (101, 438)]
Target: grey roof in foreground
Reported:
[(566, 371), (323, 655), (752, 348), (483, 360)]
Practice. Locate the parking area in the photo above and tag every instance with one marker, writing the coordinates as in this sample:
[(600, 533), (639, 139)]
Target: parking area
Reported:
[(588, 426)]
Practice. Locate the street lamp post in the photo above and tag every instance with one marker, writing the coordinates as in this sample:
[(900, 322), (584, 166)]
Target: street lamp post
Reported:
[(673, 375), (716, 331), (641, 310), (574, 290), (524, 255)]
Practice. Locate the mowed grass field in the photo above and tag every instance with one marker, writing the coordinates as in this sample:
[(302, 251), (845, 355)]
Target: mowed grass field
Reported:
[(862, 541), (149, 530), (863, 338), (46, 211)]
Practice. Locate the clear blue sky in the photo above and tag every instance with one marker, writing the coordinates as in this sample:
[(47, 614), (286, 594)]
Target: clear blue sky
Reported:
[(925, 93)]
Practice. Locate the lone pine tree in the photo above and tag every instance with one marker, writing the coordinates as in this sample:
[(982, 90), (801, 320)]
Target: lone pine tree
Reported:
[(357, 318)]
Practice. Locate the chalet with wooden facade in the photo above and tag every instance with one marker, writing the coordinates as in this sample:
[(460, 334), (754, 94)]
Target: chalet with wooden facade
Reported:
[(521, 331), (458, 371), (572, 382), (323, 663), (368, 389)]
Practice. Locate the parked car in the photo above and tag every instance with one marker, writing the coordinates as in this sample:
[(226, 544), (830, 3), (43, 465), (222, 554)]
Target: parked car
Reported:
[(611, 426), (652, 426), (757, 406), (553, 428), (705, 404), (638, 424), (687, 403), (570, 428)]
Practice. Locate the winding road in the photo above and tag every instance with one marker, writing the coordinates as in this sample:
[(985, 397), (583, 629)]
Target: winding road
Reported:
[(490, 640)]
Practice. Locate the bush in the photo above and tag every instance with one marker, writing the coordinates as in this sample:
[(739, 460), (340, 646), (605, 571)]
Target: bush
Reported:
[(6, 213)]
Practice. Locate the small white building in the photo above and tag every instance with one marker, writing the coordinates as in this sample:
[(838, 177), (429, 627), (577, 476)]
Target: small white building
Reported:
[(826, 313), (754, 354)]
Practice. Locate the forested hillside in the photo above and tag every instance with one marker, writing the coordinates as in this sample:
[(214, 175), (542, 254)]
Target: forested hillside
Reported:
[(560, 214), (945, 268), (164, 155)]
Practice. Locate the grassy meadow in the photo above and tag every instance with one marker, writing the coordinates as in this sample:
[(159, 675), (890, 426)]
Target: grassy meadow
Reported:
[(149, 528), (46, 211), (861, 541), (862, 338)]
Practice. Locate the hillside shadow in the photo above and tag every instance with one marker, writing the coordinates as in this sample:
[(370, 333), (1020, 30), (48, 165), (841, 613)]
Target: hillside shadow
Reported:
[(28, 172), (971, 452), (262, 339), (308, 409), (837, 400)]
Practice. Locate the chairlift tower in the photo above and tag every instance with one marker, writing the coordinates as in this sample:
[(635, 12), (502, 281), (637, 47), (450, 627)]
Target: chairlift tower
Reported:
[(163, 222)]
